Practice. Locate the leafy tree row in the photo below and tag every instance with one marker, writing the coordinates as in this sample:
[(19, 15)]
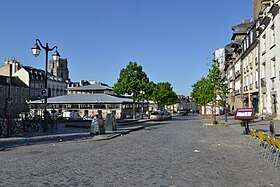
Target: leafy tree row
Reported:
[(207, 89), (134, 81)]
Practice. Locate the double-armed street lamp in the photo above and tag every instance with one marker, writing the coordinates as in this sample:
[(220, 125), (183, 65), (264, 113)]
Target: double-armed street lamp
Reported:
[(36, 52)]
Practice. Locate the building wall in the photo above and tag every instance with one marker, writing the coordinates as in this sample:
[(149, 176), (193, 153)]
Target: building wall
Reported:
[(23, 75), (270, 66), (19, 96)]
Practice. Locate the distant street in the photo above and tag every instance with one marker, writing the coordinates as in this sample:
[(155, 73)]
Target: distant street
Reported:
[(180, 152)]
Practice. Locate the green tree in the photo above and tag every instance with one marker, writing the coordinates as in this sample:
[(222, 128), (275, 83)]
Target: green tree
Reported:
[(217, 84), (173, 99), (162, 94), (132, 79), (208, 88), (202, 92)]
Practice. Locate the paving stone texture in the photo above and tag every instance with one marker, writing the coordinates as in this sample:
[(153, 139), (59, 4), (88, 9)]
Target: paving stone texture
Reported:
[(180, 152)]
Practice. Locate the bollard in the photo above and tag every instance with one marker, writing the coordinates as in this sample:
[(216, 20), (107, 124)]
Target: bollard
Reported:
[(114, 122), (94, 126), (100, 123)]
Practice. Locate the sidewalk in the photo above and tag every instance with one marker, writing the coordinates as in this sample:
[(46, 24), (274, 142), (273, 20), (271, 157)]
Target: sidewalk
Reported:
[(70, 132), (257, 124)]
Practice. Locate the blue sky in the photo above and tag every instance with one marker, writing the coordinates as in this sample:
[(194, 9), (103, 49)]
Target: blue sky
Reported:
[(172, 40)]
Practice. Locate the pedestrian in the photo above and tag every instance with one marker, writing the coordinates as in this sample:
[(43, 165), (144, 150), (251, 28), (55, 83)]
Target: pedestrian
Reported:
[(272, 128)]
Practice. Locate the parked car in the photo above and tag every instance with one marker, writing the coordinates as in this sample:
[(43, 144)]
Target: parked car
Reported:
[(167, 115), (71, 115), (182, 112), (156, 115)]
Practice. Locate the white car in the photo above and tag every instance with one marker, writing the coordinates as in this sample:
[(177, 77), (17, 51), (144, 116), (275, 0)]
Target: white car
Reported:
[(155, 115)]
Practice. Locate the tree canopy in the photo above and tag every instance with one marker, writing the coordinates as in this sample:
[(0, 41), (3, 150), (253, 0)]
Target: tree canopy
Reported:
[(208, 88), (132, 80)]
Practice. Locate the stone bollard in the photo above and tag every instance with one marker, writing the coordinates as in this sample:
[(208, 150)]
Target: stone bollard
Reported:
[(108, 123), (97, 126), (94, 126), (100, 123), (114, 122)]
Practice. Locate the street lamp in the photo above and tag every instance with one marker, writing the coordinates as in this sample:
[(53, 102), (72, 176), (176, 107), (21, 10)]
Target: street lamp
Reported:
[(36, 52), (142, 92)]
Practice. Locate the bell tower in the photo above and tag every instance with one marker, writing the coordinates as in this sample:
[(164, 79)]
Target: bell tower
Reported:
[(59, 68)]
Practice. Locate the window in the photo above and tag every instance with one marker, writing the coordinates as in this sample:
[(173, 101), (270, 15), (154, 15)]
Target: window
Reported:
[(99, 106), (256, 75), (272, 36), (263, 44), (272, 68), (263, 72), (86, 106), (113, 106)]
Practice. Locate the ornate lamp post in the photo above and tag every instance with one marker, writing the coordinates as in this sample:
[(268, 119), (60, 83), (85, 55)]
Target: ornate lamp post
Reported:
[(36, 52)]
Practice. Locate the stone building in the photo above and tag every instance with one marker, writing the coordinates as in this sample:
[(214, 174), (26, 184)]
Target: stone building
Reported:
[(268, 26), (35, 79), (59, 68), (233, 66), (14, 94)]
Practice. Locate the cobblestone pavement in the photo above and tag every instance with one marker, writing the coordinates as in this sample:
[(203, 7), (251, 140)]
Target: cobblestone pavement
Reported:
[(180, 152)]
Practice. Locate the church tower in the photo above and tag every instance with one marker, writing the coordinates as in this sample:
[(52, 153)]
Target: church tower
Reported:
[(59, 68)]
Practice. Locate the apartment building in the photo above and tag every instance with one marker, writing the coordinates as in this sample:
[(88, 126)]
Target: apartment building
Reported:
[(13, 96), (250, 69), (268, 26), (253, 68), (233, 66), (34, 78)]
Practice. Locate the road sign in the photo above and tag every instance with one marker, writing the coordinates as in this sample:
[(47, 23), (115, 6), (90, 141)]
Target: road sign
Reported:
[(44, 93)]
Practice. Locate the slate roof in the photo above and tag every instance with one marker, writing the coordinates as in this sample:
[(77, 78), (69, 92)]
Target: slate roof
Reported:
[(90, 87), (85, 98), (41, 73)]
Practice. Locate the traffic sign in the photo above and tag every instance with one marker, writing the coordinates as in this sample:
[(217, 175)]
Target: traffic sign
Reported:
[(44, 93)]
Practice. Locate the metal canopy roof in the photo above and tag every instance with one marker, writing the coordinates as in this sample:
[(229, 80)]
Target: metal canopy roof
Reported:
[(85, 98)]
